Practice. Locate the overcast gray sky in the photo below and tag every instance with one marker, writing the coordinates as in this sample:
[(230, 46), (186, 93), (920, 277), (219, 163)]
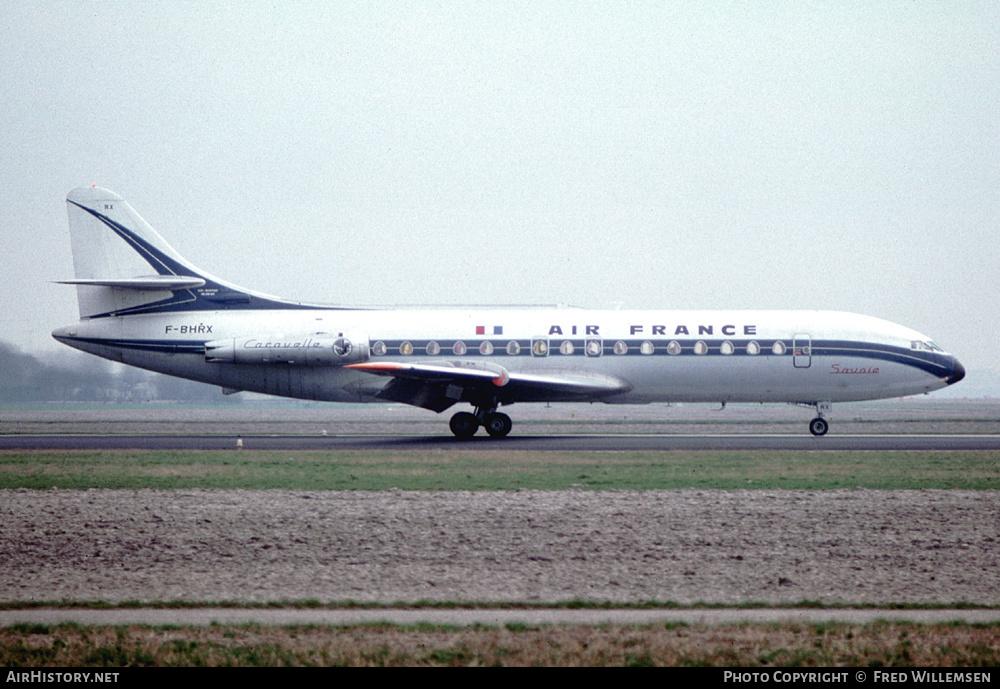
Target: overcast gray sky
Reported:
[(841, 155)]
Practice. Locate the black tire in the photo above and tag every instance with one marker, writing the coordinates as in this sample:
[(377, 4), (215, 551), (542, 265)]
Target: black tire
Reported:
[(464, 425), (818, 426), (498, 425)]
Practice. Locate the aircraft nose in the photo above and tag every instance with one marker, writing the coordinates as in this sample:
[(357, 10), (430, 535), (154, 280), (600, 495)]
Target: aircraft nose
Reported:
[(957, 372)]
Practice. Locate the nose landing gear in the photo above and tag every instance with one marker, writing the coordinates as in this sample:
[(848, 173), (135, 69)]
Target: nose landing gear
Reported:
[(819, 426)]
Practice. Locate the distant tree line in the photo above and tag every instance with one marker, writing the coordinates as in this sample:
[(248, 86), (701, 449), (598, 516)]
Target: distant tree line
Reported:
[(75, 377)]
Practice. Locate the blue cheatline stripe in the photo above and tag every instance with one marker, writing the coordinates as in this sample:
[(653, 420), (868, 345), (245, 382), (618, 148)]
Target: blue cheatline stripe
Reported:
[(931, 362), (161, 263), (162, 346)]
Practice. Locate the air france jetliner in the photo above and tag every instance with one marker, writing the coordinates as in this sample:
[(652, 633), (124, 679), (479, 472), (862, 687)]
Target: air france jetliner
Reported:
[(144, 305)]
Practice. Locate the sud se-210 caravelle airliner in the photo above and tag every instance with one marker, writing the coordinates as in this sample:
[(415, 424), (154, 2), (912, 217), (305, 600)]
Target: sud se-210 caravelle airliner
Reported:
[(144, 305)]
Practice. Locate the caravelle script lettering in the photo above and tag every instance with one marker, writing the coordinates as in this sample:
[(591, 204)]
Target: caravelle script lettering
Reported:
[(304, 344)]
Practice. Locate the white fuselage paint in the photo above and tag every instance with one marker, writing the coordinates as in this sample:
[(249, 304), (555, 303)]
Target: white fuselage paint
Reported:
[(828, 356)]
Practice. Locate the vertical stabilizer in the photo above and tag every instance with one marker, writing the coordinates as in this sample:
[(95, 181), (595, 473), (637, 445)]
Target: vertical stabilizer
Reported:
[(111, 242), (124, 267)]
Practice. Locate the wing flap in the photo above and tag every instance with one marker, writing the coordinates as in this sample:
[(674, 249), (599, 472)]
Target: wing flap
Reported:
[(438, 372), (438, 386), (567, 384)]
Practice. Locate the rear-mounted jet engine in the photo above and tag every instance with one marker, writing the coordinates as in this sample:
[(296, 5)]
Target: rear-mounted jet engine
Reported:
[(316, 349)]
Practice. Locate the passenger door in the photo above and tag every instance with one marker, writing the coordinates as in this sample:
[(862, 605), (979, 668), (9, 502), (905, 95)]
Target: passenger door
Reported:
[(802, 350)]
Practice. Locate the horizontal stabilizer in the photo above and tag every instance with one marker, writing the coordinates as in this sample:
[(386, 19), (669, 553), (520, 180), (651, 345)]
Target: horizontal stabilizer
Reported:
[(149, 283)]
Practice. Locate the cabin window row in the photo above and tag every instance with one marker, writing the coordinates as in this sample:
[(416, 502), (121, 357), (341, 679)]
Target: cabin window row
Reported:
[(592, 348)]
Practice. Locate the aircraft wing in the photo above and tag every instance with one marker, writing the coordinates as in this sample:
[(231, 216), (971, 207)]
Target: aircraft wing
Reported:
[(438, 386)]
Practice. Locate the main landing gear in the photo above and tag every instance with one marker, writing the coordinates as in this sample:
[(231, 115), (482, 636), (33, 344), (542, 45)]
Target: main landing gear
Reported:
[(465, 424), (819, 426)]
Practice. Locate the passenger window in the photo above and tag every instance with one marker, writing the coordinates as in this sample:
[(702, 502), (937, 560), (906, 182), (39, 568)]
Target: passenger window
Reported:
[(406, 349), (646, 348), (674, 347), (594, 348), (433, 348), (379, 348), (727, 347), (700, 347), (566, 347), (486, 348), (753, 348), (779, 348), (620, 348), (460, 348), (513, 348), (540, 348)]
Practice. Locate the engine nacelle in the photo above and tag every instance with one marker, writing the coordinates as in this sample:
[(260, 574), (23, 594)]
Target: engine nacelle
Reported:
[(315, 349)]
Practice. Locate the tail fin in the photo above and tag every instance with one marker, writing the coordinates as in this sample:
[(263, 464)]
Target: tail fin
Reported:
[(124, 267)]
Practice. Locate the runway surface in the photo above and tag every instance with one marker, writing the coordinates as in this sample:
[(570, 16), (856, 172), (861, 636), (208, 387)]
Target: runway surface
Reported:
[(575, 442), (483, 616)]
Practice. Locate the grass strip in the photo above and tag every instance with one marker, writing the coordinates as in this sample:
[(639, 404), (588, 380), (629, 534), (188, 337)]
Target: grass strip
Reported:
[(784, 645), (440, 470)]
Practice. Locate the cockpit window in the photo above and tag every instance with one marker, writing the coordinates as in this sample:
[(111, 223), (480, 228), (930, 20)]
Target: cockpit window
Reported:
[(923, 346)]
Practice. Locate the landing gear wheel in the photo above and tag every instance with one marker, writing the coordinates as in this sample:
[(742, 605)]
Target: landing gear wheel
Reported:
[(464, 425), (818, 426), (497, 425)]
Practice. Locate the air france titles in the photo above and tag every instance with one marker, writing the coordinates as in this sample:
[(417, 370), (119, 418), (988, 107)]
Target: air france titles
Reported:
[(725, 330), (728, 330)]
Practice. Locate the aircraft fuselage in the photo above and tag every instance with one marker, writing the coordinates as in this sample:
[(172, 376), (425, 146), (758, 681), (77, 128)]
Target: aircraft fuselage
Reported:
[(661, 356), (143, 304)]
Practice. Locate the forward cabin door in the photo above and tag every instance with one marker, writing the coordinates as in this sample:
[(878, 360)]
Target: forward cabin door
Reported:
[(802, 350)]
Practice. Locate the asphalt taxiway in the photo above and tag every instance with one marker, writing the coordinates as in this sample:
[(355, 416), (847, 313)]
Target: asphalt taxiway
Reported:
[(572, 442), (486, 616)]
